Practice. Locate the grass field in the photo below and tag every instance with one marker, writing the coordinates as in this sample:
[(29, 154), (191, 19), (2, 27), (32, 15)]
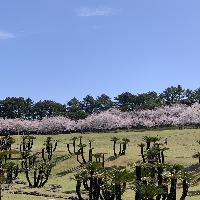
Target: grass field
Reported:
[(181, 143)]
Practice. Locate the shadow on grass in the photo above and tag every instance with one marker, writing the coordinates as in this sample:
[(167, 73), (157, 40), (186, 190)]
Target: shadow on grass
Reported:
[(36, 193), (77, 168), (70, 192), (194, 193), (193, 168), (69, 171), (111, 158), (62, 158)]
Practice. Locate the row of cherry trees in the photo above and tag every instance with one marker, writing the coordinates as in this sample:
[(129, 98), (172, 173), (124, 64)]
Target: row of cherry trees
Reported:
[(169, 116), (19, 107)]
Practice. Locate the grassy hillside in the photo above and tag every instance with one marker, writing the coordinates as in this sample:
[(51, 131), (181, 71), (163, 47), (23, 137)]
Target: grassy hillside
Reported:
[(182, 144)]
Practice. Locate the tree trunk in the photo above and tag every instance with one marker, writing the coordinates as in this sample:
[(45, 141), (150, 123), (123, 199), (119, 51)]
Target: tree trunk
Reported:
[(163, 157), (138, 179), (74, 145), (160, 171), (172, 194), (78, 190), (114, 147), (185, 190), (118, 192), (0, 192), (148, 145)]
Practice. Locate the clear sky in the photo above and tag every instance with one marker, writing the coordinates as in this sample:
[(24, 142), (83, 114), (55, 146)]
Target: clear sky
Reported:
[(58, 49)]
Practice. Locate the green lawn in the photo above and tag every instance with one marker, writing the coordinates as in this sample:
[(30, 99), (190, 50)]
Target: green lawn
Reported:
[(181, 143)]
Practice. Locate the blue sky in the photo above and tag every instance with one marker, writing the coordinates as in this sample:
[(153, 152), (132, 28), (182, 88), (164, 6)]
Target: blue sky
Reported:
[(58, 49)]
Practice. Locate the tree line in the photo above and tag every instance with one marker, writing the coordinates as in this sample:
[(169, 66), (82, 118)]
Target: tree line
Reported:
[(19, 107)]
